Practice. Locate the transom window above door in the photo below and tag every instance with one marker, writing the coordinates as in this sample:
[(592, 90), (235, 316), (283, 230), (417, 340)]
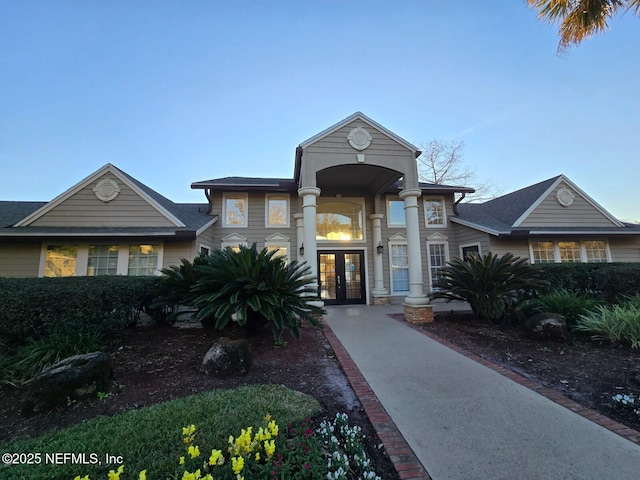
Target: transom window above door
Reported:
[(340, 219)]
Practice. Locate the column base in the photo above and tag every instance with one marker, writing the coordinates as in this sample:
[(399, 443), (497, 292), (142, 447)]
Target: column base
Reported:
[(381, 299), (418, 314)]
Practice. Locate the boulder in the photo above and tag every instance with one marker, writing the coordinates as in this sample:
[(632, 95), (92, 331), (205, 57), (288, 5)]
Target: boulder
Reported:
[(74, 377), (227, 357), (548, 326)]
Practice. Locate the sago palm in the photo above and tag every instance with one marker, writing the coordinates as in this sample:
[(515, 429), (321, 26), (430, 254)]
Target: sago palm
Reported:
[(255, 287), (488, 283)]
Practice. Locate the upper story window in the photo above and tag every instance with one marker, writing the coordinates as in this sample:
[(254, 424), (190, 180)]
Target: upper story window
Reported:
[(340, 219), (434, 212), (395, 212), (235, 208), (277, 210)]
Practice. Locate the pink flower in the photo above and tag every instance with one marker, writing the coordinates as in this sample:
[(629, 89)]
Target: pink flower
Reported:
[(307, 466)]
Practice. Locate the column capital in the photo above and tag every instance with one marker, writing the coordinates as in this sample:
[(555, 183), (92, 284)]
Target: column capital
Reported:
[(376, 216), (298, 216), (411, 192), (304, 191)]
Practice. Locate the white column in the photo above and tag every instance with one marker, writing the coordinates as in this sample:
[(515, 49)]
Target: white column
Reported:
[(378, 278), (416, 293), (309, 195), (299, 218)]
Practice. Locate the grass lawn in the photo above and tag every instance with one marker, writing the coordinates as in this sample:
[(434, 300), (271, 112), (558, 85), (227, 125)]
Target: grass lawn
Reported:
[(151, 438)]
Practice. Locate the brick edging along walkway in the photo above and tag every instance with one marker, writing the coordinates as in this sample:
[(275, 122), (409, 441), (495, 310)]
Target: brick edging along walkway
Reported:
[(400, 453), (597, 418)]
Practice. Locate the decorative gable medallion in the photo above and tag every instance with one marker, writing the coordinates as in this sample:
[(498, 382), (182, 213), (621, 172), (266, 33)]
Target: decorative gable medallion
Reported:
[(565, 197), (359, 138), (106, 189)]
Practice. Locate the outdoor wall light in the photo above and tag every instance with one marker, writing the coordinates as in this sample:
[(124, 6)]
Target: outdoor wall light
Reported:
[(380, 248), (302, 250)]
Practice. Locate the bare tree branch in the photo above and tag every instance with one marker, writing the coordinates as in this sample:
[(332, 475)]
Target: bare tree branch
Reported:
[(442, 163)]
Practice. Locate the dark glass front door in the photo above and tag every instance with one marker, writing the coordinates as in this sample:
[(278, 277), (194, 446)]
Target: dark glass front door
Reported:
[(341, 277)]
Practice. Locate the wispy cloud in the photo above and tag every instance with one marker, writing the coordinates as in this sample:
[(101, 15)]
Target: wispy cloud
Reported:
[(495, 118)]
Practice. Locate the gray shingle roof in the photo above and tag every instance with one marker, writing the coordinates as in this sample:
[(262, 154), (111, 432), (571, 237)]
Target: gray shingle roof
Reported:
[(193, 215), (500, 214), (13, 212), (281, 184)]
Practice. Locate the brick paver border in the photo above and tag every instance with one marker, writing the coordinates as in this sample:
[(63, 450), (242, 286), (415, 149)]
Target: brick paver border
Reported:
[(400, 453), (402, 456)]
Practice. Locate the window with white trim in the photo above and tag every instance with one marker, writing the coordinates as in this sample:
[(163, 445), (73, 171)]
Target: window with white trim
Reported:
[(102, 260), (204, 249), (399, 264), (434, 212), (143, 260), (438, 255), (282, 250), (235, 209), (276, 210), (596, 251), (542, 252), (395, 212), (94, 260), (569, 252), (61, 260), (573, 251)]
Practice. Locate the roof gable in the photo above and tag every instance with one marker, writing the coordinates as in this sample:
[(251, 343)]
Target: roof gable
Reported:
[(539, 207), (563, 202), (362, 117), (169, 211)]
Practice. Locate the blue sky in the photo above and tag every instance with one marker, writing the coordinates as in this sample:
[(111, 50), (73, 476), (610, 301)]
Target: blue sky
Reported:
[(174, 92)]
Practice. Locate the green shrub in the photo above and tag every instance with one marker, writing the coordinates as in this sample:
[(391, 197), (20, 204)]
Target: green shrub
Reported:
[(37, 307), (175, 287), (617, 324), (37, 354), (568, 304), (255, 288), (489, 283), (610, 281)]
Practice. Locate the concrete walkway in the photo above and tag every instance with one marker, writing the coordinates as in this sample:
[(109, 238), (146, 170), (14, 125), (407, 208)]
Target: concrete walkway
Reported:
[(465, 421)]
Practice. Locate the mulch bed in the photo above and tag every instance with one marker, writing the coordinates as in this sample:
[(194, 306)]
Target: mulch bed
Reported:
[(587, 372), (159, 363)]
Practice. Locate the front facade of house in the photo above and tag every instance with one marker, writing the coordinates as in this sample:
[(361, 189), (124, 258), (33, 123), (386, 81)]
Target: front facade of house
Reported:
[(354, 210)]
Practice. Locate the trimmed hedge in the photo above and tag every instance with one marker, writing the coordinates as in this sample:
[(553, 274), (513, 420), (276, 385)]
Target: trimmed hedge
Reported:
[(37, 307), (609, 281)]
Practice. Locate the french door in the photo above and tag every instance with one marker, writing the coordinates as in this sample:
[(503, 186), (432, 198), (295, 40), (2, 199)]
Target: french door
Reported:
[(341, 276)]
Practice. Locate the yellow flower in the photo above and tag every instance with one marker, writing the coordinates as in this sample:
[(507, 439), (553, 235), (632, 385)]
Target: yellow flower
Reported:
[(216, 457), (116, 475), (143, 475), (192, 476), (194, 451), (273, 428), (181, 460), (78, 477), (188, 430), (237, 464), (269, 447), (257, 456), (267, 417)]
